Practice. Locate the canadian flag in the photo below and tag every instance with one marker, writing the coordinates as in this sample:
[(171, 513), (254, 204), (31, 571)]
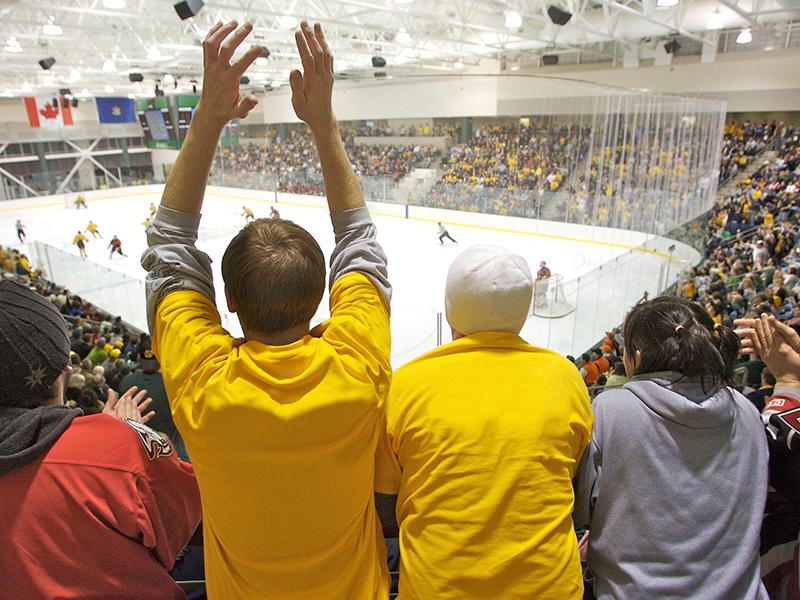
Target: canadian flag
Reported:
[(42, 112)]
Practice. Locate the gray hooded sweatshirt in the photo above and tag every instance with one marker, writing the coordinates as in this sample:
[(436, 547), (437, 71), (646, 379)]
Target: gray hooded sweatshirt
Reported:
[(672, 488)]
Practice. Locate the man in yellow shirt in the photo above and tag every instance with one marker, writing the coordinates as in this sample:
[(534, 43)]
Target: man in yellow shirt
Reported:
[(488, 432), (283, 425)]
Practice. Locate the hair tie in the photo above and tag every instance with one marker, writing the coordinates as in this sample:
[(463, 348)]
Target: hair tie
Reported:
[(678, 329)]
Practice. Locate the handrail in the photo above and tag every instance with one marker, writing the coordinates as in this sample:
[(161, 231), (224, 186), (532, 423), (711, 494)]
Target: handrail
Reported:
[(769, 146)]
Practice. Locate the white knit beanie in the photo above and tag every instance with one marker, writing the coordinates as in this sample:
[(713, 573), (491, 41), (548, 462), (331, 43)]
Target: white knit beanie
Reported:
[(488, 288)]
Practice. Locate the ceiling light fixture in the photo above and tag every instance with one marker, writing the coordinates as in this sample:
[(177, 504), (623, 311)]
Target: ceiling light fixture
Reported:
[(745, 37), (109, 66), (715, 21), (25, 87), (666, 3), (115, 4), (51, 27), (108, 89), (7, 93), (168, 78), (342, 65), (74, 75), (13, 46), (458, 64), (513, 20), (287, 22), (261, 61), (154, 53), (402, 37), (515, 67), (131, 96)]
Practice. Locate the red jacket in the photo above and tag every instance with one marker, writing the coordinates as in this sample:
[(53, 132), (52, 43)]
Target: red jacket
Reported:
[(102, 514)]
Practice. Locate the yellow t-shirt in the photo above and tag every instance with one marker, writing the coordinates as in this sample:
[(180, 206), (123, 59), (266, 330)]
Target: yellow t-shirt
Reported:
[(488, 432), (283, 442)]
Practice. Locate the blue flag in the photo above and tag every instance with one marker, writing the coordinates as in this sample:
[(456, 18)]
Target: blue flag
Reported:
[(116, 110)]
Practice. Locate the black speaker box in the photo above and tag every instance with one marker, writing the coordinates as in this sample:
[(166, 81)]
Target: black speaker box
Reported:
[(188, 8)]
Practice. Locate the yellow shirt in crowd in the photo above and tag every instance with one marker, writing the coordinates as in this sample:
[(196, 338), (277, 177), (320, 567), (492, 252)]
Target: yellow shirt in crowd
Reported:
[(283, 442), (488, 432)]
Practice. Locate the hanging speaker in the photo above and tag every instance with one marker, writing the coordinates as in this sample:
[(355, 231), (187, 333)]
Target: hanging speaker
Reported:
[(46, 63), (672, 46), (135, 77), (557, 15), (378, 62), (549, 59), (188, 8)]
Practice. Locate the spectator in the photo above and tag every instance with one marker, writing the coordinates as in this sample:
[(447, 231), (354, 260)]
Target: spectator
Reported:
[(285, 422), (82, 345), (760, 396), (675, 511), (77, 491), (601, 362), (148, 377), (779, 347), (618, 378), (485, 479), (589, 370), (98, 355)]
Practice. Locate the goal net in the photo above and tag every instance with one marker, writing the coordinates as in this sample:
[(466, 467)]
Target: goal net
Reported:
[(549, 299)]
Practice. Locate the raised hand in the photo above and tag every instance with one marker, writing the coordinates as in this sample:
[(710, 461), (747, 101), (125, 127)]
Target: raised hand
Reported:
[(313, 88), (130, 405), (221, 100)]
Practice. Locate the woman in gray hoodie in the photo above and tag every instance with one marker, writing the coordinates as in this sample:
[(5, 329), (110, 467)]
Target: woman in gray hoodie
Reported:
[(673, 484)]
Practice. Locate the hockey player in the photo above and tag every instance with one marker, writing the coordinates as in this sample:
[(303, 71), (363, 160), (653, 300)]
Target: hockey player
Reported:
[(80, 241), (80, 202), (248, 214), (273, 213), (116, 246), (92, 228)]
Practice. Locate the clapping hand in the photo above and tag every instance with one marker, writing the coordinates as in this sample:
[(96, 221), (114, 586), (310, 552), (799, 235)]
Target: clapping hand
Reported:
[(130, 405), (778, 345)]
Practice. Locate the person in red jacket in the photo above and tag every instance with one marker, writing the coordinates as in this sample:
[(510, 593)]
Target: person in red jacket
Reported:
[(93, 506)]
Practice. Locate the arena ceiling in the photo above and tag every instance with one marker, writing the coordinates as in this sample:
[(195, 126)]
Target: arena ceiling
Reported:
[(97, 43)]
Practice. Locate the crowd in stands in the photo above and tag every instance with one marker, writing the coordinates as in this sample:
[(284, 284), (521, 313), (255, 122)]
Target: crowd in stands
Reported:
[(423, 130), (741, 142), (484, 456), (291, 160)]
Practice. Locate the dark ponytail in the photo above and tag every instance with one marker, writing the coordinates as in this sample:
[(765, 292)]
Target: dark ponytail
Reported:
[(673, 334)]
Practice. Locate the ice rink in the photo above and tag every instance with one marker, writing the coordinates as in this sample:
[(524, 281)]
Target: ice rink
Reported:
[(605, 271)]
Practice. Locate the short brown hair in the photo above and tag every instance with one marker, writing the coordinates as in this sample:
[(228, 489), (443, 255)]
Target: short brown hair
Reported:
[(274, 270)]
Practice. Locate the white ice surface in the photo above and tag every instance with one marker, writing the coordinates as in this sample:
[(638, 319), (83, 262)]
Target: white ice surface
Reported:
[(417, 262)]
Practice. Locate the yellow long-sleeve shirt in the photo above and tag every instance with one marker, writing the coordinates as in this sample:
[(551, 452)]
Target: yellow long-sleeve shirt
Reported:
[(283, 442)]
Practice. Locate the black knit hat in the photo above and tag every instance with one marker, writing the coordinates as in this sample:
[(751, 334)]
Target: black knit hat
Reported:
[(34, 347)]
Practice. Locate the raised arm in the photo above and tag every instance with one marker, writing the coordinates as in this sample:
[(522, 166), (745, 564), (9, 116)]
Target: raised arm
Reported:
[(357, 249), (220, 102), (312, 101), (172, 261)]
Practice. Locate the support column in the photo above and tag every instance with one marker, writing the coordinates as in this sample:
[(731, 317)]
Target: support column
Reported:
[(44, 169), (465, 135)]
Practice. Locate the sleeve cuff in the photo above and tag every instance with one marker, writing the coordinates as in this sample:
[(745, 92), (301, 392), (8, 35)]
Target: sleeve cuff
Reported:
[(177, 219), (353, 217)]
